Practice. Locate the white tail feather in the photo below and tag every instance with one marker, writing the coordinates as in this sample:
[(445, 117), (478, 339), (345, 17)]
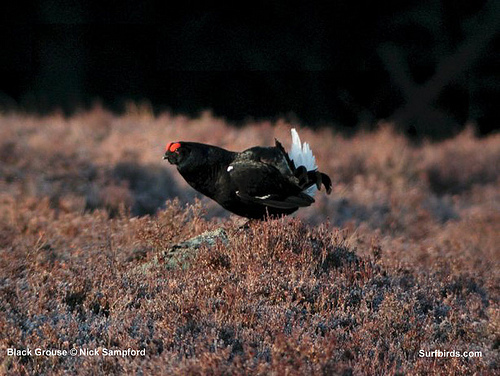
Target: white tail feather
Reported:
[(301, 155)]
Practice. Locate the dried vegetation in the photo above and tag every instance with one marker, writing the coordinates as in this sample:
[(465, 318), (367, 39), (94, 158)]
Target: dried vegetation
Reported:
[(402, 257)]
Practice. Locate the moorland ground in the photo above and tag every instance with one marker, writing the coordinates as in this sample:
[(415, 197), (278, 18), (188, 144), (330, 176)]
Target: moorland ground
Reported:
[(403, 256)]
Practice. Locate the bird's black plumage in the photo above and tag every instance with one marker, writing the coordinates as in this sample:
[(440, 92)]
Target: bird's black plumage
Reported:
[(255, 183)]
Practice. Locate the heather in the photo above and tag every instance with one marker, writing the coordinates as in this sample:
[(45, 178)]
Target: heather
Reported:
[(401, 257)]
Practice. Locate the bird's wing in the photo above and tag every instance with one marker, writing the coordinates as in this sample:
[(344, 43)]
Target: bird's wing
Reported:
[(290, 202), (258, 182)]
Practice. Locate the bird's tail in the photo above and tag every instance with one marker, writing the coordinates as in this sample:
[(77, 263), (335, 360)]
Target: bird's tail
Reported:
[(301, 155)]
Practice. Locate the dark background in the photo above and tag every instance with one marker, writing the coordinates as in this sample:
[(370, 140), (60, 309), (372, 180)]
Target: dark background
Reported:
[(430, 66)]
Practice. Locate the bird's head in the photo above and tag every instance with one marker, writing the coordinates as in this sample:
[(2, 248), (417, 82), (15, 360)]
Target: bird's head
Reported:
[(186, 155), (176, 152)]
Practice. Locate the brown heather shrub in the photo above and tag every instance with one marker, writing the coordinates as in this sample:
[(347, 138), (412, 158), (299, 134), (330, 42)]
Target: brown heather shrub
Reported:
[(462, 162), (402, 257)]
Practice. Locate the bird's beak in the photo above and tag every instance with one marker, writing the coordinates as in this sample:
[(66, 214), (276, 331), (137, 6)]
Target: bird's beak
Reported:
[(171, 157)]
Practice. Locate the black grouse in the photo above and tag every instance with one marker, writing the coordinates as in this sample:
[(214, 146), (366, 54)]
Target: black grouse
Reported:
[(255, 183)]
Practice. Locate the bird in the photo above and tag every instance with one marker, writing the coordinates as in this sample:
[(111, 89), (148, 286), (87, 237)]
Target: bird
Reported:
[(257, 183)]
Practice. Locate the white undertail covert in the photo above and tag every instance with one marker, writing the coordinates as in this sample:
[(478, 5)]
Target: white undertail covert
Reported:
[(301, 155)]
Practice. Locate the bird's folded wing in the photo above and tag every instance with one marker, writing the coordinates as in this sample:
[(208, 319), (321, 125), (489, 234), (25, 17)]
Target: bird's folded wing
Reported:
[(261, 183), (290, 202)]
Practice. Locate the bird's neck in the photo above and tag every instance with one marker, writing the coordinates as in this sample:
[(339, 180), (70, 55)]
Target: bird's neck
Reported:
[(206, 176)]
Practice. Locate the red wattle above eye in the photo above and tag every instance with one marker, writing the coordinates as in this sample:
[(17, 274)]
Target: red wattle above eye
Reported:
[(172, 146)]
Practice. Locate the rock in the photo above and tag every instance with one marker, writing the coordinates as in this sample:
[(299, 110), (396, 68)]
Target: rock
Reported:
[(180, 253)]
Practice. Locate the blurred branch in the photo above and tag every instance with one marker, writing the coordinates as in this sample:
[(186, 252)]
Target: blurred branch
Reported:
[(420, 98)]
